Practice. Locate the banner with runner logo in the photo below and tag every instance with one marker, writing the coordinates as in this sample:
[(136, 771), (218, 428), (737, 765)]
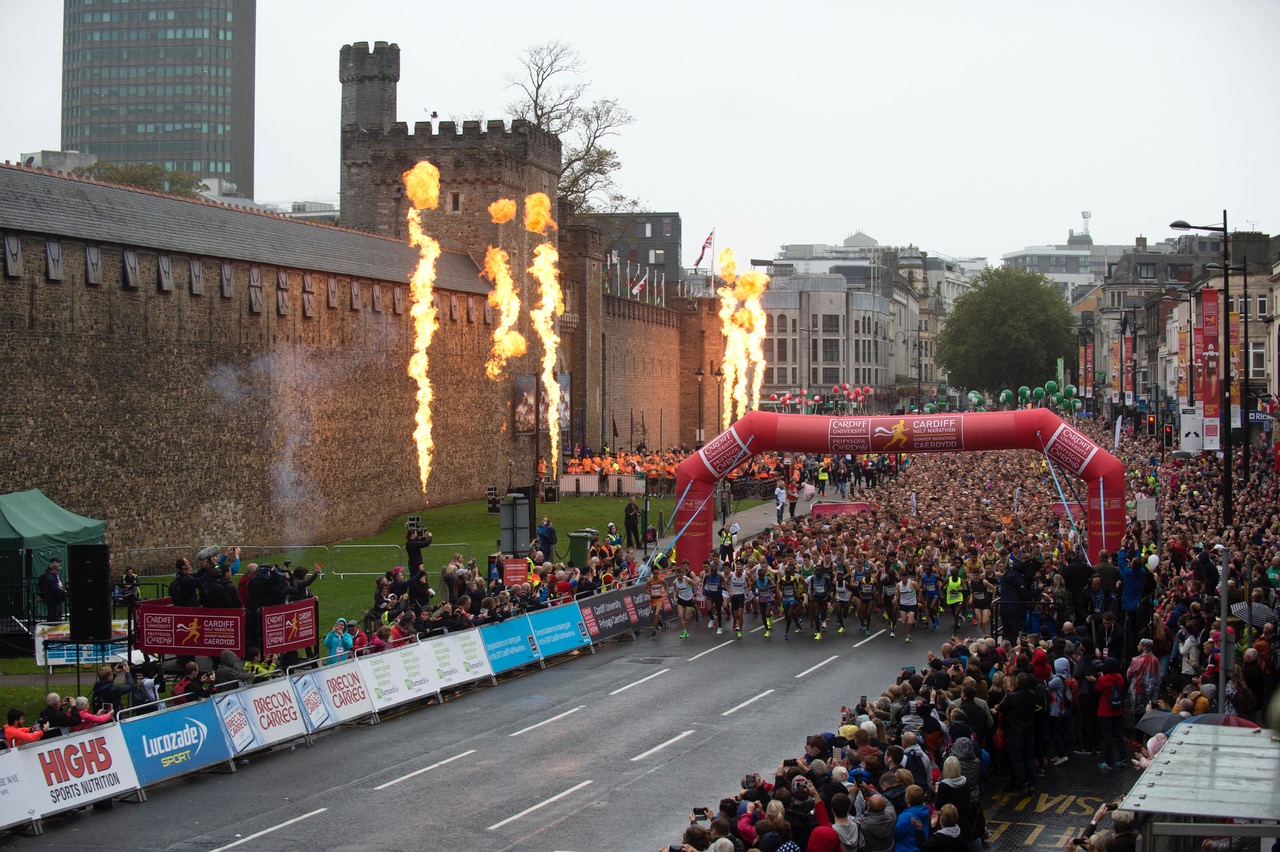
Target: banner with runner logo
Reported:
[(175, 741), (559, 629), (509, 644), (261, 716), (457, 658), (397, 675), (290, 626), (78, 769), (331, 695), (189, 630), (17, 794), (615, 613)]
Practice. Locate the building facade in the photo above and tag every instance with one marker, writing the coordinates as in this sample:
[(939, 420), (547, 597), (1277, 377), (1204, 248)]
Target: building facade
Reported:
[(162, 81), (640, 246)]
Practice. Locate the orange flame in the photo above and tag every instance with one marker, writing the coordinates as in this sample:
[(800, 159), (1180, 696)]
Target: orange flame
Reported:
[(550, 307), (742, 323), (537, 213), (422, 183), (502, 210), (507, 342)]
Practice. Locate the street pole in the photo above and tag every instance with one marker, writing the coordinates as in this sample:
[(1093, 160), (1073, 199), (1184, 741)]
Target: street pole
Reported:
[(919, 368), (1227, 648), (1244, 366), (698, 374)]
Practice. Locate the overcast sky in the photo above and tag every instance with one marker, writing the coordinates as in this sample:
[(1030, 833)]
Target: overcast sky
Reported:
[(966, 128)]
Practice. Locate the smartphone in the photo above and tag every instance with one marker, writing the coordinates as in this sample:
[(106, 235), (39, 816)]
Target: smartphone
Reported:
[(790, 761), (909, 670), (864, 701), (701, 814)]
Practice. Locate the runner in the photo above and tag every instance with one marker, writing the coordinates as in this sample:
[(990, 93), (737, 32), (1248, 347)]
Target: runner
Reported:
[(955, 596), (713, 588), (929, 585), (657, 588), (844, 594), (865, 579), (981, 595), (819, 589), (906, 598), (888, 599), (764, 597), (686, 610), (737, 596), (789, 591)]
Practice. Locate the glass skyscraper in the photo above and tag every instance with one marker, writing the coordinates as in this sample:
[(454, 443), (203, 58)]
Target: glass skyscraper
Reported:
[(162, 81)]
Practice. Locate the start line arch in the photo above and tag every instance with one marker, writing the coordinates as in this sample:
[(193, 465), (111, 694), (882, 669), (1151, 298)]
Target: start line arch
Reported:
[(1028, 429)]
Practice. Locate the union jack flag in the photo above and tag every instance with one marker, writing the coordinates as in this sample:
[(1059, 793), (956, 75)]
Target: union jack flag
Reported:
[(706, 244)]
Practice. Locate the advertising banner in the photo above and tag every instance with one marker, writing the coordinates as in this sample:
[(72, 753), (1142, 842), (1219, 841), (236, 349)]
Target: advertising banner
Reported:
[(17, 794), (331, 695), (1115, 371), (261, 715), (78, 769), (1130, 375), (1212, 369), (509, 644), (291, 626), (397, 675), (65, 655), (1080, 377), (1197, 365), (1088, 370), (189, 630), (1183, 364), (457, 658), (175, 741), (514, 571), (1233, 352), (559, 629)]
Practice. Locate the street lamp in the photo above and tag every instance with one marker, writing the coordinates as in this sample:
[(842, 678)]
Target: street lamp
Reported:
[(1227, 647), (719, 376), (915, 341), (698, 374)]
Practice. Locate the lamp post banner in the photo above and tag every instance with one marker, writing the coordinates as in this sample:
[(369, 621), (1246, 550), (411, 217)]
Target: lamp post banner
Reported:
[(1233, 342), (1182, 369), (1088, 370), (1212, 370)]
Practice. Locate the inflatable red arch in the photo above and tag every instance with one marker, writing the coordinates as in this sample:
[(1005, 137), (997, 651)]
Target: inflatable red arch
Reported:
[(1029, 429)]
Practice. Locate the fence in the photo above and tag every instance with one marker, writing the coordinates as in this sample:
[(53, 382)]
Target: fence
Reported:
[(365, 560), (610, 485), (157, 559)]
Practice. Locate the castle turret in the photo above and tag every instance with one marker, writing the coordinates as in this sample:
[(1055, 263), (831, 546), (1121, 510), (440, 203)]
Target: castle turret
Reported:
[(369, 83)]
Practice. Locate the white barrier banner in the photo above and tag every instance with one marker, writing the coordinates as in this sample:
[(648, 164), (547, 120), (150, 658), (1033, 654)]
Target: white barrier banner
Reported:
[(89, 654), (79, 769), (261, 716), (330, 695), (17, 795), (398, 675), (457, 658)]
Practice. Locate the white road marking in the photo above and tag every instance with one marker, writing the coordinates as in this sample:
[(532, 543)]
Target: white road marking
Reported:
[(733, 710), (547, 721), (640, 681), (284, 824), (709, 650), (677, 738), (869, 638), (812, 669), (757, 630), (557, 797), (417, 772)]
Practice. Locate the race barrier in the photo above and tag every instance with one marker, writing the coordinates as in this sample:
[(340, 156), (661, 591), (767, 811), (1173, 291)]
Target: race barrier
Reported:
[(159, 742), (288, 627)]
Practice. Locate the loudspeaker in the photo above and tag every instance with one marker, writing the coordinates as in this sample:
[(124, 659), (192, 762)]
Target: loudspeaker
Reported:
[(89, 592)]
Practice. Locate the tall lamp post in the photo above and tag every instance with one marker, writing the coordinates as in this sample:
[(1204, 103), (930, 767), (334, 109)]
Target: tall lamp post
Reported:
[(719, 375), (1224, 612), (1242, 268), (914, 341), (699, 374)]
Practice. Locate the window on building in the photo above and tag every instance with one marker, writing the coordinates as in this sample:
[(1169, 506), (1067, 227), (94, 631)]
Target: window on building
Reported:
[(813, 321), (831, 375), (780, 376), (1180, 272), (813, 350), (813, 376), (768, 323), (1111, 268), (455, 202), (668, 228), (644, 229), (766, 346), (1262, 306), (1146, 271), (657, 257), (866, 324), (782, 349), (830, 351), (830, 323), (793, 375), (1257, 360), (794, 323)]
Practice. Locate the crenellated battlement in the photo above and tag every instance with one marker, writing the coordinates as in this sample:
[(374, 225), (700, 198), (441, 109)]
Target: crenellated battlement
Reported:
[(356, 62)]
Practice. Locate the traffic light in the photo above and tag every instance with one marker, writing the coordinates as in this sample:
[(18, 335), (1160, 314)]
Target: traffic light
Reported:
[(1168, 435), (1151, 425)]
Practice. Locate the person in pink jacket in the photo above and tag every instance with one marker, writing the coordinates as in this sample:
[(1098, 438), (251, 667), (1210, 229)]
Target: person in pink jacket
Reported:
[(87, 719)]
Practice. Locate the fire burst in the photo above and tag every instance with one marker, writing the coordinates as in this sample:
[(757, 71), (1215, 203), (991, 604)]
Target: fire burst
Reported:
[(550, 306), (422, 183), (507, 342), (742, 323), (537, 213)]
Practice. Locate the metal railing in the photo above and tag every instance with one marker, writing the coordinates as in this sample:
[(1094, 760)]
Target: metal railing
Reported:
[(142, 559), (365, 560)]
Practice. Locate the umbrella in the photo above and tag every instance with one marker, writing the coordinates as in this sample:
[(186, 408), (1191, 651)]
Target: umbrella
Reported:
[(1223, 719), (1158, 721), (1259, 615), (1183, 454)]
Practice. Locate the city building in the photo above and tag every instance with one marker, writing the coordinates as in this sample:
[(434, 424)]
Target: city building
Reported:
[(1077, 266), (639, 244), (162, 81), (57, 161)]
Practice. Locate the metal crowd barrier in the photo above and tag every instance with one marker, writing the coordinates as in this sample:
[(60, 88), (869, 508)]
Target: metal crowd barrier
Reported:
[(365, 560), (142, 558)]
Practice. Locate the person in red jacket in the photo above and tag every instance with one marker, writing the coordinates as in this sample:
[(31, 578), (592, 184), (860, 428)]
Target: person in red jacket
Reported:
[(1110, 713), (17, 733)]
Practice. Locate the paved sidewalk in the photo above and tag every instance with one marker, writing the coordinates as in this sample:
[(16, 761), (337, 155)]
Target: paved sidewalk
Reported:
[(751, 522)]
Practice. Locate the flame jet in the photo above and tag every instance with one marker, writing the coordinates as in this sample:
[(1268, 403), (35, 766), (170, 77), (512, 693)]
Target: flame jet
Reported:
[(422, 184), (507, 341)]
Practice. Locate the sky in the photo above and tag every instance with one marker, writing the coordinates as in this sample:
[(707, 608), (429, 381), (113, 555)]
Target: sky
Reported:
[(965, 128)]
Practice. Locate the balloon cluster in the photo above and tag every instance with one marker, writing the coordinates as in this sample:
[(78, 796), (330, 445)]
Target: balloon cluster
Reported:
[(1064, 399), (804, 399)]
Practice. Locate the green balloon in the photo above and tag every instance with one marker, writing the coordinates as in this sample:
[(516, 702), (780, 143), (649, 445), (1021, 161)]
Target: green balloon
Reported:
[(1038, 393), (1057, 398), (1069, 391), (1050, 386), (1006, 396), (1024, 392), (1078, 404), (930, 408)]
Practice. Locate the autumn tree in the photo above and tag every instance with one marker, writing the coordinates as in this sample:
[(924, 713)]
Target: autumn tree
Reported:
[(151, 176), (1010, 329)]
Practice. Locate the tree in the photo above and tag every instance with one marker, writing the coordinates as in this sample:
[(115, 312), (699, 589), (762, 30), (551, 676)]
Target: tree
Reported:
[(1009, 330), (553, 96), (151, 176)]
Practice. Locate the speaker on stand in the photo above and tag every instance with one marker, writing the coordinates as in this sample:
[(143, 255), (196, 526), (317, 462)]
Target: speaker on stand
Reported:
[(89, 592)]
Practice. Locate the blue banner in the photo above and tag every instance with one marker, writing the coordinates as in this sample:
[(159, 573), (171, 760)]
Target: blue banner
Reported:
[(559, 629), (510, 644), (176, 741)]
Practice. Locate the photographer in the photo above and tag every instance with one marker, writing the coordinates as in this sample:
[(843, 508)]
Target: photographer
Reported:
[(269, 587), (199, 687), (84, 720), (17, 733), (416, 540), (218, 591), (337, 643), (57, 712), (106, 692), (300, 582)]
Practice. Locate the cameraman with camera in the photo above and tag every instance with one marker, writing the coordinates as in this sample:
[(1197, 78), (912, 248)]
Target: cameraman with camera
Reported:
[(106, 692), (416, 540)]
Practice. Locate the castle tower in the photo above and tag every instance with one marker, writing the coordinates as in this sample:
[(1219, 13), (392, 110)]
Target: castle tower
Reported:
[(368, 81)]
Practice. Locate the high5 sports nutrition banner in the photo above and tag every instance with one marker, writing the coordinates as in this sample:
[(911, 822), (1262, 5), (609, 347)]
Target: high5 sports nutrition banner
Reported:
[(79, 769), (192, 631)]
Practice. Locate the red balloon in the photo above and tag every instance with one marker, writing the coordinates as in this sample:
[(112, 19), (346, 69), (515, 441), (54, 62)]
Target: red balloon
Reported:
[(804, 391), (846, 385), (867, 390), (817, 398), (835, 389), (773, 397)]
